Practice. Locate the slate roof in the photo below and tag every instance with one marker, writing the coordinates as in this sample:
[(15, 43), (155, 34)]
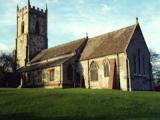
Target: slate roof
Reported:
[(58, 50), (108, 44)]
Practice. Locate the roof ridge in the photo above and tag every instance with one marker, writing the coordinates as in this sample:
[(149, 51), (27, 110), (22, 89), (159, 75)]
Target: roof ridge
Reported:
[(89, 38), (70, 47), (64, 44), (114, 42), (113, 31)]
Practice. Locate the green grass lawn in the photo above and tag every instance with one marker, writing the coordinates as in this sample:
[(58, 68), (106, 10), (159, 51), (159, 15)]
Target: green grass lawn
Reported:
[(78, 104)]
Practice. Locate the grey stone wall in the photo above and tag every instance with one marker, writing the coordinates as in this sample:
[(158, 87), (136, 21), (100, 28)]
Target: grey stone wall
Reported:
[(21, 40), (43, 80), (140, 73), (37, 42), (29, 43), (103, 82)]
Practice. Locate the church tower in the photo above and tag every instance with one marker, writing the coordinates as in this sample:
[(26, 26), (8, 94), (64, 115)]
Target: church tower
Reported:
[(31, 35)]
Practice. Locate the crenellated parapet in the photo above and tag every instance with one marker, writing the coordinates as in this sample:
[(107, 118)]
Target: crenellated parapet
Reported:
[(37, 9), (22, 9), (33, 9)]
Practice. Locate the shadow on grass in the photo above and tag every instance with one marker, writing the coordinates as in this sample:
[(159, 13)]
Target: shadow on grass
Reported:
[(29, 116)]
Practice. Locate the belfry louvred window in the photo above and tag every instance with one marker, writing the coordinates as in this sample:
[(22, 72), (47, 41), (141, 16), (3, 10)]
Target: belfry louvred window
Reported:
[(22, 27)]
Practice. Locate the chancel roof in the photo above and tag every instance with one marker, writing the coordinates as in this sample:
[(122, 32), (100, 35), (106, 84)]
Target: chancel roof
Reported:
[(108, 44)]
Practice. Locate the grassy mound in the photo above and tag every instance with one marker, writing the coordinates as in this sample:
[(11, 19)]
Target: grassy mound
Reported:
[(78, 104)]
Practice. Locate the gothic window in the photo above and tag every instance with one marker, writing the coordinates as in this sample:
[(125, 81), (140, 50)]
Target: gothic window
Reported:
[(144, 66), (44, 75), (139, 60), (22, 27), (134, 64), (39, 76), (106, 69), (37, 28), (70, 72), (52, 75), (94, 71), (29, 77), (32, 76)]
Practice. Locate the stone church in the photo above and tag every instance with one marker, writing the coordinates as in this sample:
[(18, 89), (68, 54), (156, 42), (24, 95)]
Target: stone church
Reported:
[(115, 60)]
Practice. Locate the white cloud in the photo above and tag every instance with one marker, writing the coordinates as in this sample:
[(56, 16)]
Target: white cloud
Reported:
[(3, 47), (105, 7), (6, 48)]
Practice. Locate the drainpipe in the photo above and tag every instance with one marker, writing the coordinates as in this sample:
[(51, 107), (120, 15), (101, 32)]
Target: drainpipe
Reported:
[(61, 74), (129, 76), (88, 76), (118, 71), (73, 76)]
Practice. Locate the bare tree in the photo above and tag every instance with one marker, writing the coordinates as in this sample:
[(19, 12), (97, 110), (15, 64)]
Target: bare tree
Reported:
[(155, 59), (8, 75), (7, 61)]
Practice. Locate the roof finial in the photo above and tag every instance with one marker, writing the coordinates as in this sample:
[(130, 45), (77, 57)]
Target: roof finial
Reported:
[(46, 7), (137, 20), (86, 35), (29, 3), (17, 7)]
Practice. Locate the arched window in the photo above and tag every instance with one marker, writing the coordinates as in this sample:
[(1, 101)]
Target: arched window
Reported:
[(143, 60), (70, 72), (37, 28), (134, 64), (52, 72), (139, 60), (106, 69), (39, 76), (29, 77), (94, 71), (22, 27)]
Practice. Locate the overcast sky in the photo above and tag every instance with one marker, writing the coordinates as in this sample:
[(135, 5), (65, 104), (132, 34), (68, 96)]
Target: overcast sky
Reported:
[(71, 19)]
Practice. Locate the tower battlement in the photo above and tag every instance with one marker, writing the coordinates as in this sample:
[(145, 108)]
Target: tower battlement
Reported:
[(33, 9), (37, 9), (22, 9)]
